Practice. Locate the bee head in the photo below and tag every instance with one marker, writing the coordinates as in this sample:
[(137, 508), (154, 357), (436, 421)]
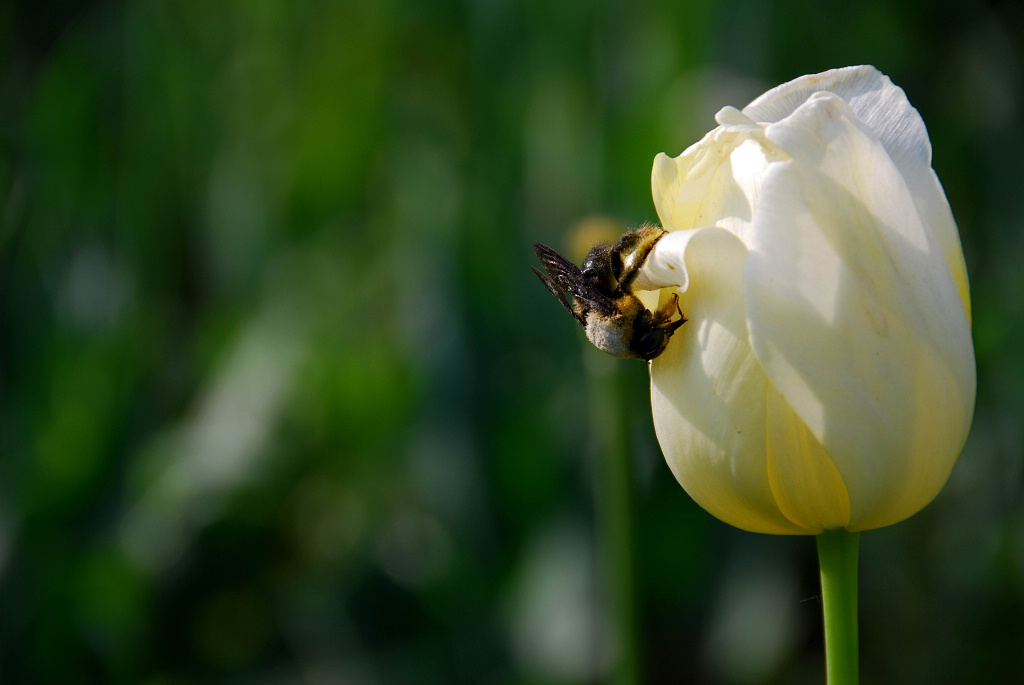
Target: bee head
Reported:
[(650, 343)]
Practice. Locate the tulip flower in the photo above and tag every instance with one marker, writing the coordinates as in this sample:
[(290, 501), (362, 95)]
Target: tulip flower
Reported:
[(826, 377), (825, 381)]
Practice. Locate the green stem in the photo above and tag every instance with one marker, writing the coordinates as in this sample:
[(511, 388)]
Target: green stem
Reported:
[(615, 510), (837, 555)]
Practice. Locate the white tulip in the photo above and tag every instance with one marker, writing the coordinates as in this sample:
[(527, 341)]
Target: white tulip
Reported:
[(826, 377)]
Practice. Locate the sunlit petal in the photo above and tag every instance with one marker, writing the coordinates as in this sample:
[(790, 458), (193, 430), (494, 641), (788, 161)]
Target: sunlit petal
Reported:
[(855, 316), (883, 107), (708, 389)]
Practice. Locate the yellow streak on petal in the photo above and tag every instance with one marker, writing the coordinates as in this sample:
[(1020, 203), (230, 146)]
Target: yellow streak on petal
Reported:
[(955, 259), (808, 488)]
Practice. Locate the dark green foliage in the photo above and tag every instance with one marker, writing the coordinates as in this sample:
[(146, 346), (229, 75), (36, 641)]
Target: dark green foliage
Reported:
[(280, 399)]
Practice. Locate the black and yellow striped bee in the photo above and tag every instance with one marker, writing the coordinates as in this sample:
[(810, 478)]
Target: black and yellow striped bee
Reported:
[(601, 298)]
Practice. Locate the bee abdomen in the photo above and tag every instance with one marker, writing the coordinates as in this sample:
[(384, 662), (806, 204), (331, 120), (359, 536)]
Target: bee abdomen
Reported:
[(610, 334)]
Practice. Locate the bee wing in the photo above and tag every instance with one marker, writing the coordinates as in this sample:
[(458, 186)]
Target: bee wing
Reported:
[(564, 276), (557, 292)]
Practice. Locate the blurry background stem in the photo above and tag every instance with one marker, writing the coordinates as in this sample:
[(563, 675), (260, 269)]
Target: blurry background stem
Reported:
[(615, 509), (837, 555)]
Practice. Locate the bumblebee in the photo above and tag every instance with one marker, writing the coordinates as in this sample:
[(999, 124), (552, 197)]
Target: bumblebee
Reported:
[(601, 298)]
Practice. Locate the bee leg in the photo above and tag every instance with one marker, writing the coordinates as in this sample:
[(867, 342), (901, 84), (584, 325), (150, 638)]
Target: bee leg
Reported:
[(664, 318)]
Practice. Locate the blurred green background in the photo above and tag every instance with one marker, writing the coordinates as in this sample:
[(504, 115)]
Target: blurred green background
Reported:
[(280, 400)]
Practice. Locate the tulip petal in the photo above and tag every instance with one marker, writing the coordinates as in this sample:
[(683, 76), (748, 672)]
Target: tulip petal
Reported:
[(884, 108), (855, 316), (708, 388), (714, 181), (805, 481)]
